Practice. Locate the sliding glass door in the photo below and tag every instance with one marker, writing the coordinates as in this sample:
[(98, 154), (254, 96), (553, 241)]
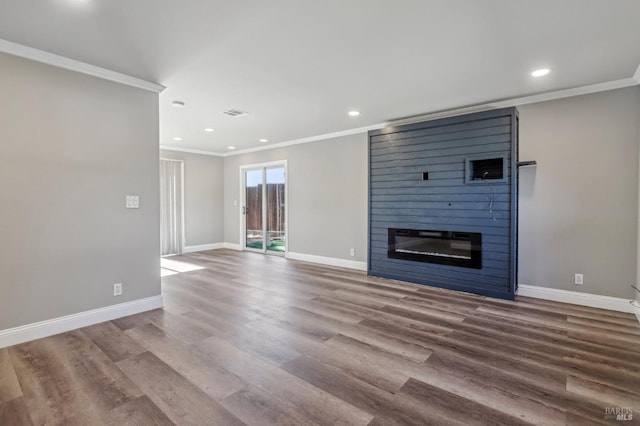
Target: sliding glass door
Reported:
[(264, 208), (275, 209), (254, 191)]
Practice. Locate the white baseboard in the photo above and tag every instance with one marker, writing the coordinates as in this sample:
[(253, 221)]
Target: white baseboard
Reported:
[(636, 306), (577, 298), (232, 246), (38, 330), (330, 261), (202, 247), (214, 246)]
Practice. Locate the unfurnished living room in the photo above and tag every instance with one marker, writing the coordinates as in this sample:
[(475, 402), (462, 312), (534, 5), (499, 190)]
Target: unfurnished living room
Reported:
[(319, 212)]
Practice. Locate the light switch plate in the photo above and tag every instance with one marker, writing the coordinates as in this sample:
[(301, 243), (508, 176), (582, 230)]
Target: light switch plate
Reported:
[(133, 202)]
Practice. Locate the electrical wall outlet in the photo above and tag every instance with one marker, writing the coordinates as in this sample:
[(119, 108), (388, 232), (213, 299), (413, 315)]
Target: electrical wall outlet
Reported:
[(117, 289), (352, 252), (579, 279)]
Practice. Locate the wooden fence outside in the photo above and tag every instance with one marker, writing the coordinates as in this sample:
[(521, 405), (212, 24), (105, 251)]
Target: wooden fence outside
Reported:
[(275, 207)]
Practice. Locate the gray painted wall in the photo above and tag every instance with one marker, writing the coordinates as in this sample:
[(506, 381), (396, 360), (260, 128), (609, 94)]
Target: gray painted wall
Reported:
[(327, 195), (204, 197), (579, 206), (72, 148)]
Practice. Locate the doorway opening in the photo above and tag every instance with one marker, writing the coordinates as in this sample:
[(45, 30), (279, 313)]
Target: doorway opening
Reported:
[(264, 207)]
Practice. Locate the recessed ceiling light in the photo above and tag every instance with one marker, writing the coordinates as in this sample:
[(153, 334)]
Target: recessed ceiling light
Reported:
[(208, 129), (177, 139), (232, 147), (264, 140), (541, 72), (354, 113), (177, 104)]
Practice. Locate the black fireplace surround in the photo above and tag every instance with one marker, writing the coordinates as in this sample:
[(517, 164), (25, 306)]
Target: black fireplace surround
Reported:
[(442, 247), (443, 203)]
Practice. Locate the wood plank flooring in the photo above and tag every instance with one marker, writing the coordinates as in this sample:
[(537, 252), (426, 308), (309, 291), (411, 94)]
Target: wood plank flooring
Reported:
[(261, 340)]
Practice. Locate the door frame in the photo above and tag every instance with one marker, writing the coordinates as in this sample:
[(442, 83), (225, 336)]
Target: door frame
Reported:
[(183, 243), (243, 203)]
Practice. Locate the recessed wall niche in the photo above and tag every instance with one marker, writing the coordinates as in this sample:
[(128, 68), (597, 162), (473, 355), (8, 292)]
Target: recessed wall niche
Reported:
[(485, 168)]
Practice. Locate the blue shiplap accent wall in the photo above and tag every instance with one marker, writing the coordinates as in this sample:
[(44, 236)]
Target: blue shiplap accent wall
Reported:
[(399, 198)]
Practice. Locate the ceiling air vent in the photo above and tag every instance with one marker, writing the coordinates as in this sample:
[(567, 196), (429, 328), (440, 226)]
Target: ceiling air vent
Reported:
[(235, 113)]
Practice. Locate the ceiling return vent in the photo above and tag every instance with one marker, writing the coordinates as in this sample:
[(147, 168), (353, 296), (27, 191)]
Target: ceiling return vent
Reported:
[(235, 113)]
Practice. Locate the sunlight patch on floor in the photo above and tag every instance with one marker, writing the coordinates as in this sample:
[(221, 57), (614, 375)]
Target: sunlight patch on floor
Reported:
[(172, 267), (166, 272)]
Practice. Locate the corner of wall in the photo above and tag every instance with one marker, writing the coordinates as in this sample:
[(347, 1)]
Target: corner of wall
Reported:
[(637, 77)]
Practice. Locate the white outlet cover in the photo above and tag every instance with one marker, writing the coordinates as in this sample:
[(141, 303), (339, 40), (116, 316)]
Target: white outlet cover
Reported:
[(133, 202), (117, 289)]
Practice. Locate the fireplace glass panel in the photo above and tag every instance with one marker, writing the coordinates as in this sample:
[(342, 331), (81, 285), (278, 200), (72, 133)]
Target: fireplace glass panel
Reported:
[(444, 247), (434, 247)]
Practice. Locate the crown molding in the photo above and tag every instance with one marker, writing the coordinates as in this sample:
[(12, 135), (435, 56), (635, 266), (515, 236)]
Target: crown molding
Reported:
[(316, 138), (524, 100), (26, 52), (567, 93), (496, 104), (511, 102), (190, 151)]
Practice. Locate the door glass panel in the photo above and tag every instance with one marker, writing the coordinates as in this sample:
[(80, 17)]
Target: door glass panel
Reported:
[(253, 213), (276, 238)]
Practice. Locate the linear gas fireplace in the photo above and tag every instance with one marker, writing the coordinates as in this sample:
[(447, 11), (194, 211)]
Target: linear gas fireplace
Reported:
[(443, 247)]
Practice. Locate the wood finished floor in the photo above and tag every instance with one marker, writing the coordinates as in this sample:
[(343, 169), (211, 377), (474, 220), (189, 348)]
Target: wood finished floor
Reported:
[(260, 340)]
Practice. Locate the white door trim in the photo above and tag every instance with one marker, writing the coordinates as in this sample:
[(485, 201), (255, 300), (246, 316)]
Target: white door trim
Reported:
[(243, 206), (243, 168)]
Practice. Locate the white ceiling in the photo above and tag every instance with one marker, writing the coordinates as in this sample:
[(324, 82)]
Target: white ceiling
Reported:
[(298, 66)]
